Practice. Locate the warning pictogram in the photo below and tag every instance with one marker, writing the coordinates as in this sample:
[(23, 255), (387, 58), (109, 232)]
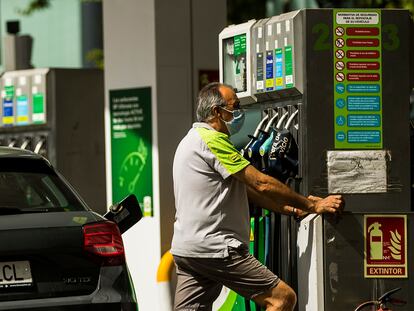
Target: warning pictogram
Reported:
[(339, 31), (385, 246), (340, 54), (339, 42), (340, 77), (339, 65)]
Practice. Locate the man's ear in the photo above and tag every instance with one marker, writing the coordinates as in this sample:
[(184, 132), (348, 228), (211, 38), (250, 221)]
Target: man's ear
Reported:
[(216, 111)]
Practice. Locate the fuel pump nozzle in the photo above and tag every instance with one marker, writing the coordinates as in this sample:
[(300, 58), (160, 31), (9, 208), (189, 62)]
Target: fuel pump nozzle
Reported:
[(39, 145), (283, 156), (290, 120), (292, 153), (253, 150), (265, 147), (12, 142), (254, 137), (25, 143)]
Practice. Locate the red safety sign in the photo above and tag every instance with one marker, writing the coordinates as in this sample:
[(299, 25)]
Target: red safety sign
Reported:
[(385, 246), (362, 31)]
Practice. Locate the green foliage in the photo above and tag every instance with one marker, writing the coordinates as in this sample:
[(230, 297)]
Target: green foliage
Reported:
[(96, 57), (34, 5), (39, 5)]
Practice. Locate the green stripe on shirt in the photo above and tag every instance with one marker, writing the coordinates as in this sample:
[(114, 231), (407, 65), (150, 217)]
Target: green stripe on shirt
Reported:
[(221, 146)]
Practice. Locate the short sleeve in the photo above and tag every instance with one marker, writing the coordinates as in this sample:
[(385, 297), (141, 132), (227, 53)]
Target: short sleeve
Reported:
[(228, 157)]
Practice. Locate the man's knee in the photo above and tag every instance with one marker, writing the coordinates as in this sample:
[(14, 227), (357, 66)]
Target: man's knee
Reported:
[(281, 297), (290, 299)]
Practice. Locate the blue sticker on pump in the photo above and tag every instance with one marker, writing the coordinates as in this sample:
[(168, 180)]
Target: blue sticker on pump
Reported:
[(22, 110), (269, 71), (7, 107), (8, 113), (279, 68)]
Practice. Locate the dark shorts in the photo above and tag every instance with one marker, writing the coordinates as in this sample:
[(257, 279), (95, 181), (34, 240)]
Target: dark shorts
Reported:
[(199, 280)]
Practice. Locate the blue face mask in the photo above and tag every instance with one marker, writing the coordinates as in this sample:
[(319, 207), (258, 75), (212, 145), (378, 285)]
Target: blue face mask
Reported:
[(237, 122)]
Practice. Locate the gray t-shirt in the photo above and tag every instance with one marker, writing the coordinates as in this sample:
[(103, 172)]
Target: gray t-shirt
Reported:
[(212, 210)]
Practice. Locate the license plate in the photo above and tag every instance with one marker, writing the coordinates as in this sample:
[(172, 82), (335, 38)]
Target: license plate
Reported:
[(15, 274)]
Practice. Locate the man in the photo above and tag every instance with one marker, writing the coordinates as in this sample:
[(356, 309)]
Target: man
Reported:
[(212, 185)]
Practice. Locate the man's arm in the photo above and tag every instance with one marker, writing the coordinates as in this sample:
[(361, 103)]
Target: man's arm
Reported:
[(279, 198), (265, 202)]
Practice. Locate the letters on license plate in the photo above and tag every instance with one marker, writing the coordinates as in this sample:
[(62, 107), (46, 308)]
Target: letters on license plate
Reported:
[(15, 274)]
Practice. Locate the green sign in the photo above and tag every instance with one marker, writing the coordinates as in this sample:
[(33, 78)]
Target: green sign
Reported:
[(289, 66), (39, 115), (239, 44), (357, 79), (131, 145), (9, 89)]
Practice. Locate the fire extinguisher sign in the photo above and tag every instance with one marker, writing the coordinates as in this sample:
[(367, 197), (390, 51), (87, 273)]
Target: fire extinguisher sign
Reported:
[(385, 246)]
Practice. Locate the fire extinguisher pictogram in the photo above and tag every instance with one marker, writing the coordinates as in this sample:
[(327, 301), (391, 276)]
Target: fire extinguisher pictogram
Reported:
[(375, 241)]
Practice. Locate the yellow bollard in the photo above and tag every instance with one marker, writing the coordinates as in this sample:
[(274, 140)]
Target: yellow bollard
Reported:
[(164, 272)]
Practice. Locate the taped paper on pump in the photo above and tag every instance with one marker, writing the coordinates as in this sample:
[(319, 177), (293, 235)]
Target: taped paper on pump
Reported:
[(357, 171)]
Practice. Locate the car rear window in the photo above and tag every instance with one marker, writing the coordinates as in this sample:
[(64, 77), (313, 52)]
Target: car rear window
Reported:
[(31, 184)]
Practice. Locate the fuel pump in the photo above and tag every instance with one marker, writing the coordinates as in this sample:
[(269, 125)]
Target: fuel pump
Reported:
[(338, 67)]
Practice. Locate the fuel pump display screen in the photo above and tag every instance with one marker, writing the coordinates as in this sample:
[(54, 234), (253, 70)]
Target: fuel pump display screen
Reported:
[(234, 62)]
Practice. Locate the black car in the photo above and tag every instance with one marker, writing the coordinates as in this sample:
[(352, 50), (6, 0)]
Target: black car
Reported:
[(55, 253)]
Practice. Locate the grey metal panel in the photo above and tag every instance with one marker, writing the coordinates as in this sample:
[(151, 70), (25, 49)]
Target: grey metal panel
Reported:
[(78, 101), (51, 117), (316, 125), (345, 286)]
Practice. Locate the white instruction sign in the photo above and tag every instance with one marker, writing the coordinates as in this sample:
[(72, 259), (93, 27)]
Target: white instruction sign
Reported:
[(357, 18), (357, 171)]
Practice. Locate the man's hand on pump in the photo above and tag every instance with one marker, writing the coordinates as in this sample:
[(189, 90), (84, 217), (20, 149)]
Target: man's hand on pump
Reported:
[(330, 204)]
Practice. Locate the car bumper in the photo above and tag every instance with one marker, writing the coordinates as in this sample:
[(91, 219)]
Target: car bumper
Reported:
[(107, 296)]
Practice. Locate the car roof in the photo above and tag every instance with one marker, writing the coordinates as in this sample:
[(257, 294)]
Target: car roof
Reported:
[(10, 152), (25, 160)]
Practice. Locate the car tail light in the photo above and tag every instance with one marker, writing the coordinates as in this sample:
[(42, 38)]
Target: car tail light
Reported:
[(104, 240)]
